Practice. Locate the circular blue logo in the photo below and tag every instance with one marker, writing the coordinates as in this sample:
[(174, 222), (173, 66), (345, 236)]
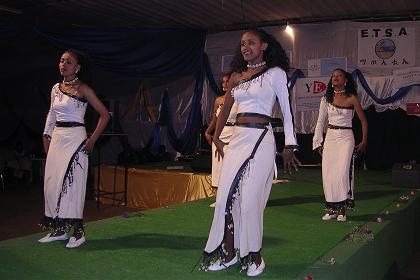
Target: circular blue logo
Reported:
[(385, 48)]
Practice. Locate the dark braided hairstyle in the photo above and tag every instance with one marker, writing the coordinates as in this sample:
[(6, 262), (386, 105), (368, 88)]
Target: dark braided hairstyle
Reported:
[(274, 55), (350, 86)]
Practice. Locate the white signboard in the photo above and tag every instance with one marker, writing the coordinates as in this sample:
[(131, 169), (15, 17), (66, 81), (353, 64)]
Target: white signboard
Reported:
[(323, 67), (314, 68), (308, 92), (386, 47)]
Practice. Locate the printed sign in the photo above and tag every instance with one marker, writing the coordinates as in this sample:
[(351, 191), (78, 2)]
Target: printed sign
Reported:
[(309, 92), (324, 67), (386, 47)]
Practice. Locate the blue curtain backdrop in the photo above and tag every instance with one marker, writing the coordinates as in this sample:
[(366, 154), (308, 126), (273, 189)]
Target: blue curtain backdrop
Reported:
[(147, 53)]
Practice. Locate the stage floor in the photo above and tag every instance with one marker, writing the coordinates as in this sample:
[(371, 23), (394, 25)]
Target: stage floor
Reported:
[(166, 243)]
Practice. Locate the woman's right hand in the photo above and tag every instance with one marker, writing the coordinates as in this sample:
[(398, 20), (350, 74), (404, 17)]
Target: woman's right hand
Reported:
[(219, 147)]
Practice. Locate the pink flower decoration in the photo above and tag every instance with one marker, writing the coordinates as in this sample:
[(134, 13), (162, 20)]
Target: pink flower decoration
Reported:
[(379, 220)]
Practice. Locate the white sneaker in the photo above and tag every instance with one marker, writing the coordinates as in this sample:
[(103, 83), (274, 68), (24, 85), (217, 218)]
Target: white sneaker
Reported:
[(212, 205), (254, 270), (328, 217), (48, 238), (220, 265), (74, 243), (341, 218)]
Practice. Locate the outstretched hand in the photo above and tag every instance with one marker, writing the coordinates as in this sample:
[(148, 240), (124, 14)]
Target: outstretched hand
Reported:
[(290, 161)]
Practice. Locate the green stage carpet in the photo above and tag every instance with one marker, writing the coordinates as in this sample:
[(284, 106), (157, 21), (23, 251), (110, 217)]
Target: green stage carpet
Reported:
[(166, 243)]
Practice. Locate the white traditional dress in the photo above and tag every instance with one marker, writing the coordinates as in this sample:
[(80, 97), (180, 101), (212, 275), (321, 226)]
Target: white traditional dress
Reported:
[(338, 154), (249, 165), (66, 166)]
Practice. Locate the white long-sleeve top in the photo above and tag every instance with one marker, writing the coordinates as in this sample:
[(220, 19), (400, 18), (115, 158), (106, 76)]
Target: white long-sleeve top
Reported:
[(259, 94), (330, 114), (64, 108)]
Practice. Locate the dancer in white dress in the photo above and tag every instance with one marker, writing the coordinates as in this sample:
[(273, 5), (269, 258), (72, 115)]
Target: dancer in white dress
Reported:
[(217, 160), (249, 159), (336, 110), (67, 147)]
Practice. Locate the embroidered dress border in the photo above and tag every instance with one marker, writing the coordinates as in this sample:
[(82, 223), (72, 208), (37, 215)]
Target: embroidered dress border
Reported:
[(74, 161), (341, 107), (61, 224), (350, 200), (253, 76), (72, 95)]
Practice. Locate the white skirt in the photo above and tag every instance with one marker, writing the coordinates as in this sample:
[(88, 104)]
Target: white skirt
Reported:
[(252, 192), (66, 171), (337, 165)]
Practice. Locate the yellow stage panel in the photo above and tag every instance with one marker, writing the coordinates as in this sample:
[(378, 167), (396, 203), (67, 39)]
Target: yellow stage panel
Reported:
[(153, 188)]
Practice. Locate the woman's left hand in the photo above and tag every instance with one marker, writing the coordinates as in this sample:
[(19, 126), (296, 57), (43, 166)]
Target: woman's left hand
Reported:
[(88, 147), (360, 148)]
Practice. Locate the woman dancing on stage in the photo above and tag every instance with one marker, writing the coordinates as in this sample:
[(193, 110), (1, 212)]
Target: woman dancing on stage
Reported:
[(67, 148), (249, 160), (216, 163), (337, 107)]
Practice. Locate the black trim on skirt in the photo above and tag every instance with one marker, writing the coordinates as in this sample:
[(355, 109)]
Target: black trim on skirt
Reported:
[(234, 188)]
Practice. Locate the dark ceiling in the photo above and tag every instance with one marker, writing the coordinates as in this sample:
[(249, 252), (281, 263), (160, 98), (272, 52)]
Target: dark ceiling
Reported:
[(19, 44), (213, 15)]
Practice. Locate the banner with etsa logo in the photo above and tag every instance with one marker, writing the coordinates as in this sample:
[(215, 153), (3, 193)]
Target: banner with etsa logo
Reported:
[(386, 47), (308, 93)]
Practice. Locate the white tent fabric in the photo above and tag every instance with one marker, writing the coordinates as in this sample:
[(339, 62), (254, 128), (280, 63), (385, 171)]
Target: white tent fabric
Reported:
[(323, 40)]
